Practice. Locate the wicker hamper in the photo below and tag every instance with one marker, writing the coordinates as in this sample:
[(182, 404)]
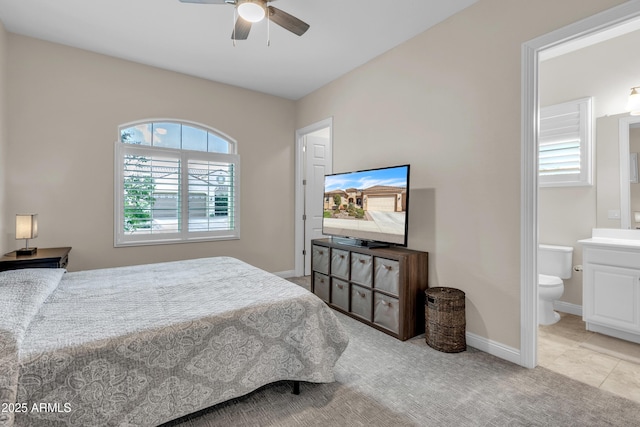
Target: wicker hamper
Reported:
[(445, 322)]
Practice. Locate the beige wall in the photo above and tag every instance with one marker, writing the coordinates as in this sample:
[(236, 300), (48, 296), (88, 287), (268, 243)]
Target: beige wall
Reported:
[(3, 137), (65, 108), (606, 72), (608, 169), (448, 103)]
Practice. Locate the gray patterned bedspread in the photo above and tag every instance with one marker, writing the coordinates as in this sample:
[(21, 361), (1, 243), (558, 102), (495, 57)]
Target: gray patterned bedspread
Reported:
[(142, 345)]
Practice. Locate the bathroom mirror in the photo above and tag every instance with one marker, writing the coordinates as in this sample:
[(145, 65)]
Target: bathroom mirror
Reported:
[(629, 139)]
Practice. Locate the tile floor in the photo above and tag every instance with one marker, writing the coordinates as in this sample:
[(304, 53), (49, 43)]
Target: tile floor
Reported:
[(599, 360)]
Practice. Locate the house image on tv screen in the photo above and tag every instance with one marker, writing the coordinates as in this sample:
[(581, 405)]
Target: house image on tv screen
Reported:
[(380, 198)]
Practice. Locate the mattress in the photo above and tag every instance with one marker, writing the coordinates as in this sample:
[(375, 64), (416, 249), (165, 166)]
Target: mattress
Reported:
[(142, 345)]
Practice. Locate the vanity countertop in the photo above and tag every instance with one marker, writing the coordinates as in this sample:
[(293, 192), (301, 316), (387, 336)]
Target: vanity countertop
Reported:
[(610, 237)]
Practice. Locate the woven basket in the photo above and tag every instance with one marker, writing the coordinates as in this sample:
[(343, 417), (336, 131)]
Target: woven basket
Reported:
[(445, 321)]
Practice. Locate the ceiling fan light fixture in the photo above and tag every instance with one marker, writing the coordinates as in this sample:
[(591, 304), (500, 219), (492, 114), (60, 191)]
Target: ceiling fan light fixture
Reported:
[(252, 10)]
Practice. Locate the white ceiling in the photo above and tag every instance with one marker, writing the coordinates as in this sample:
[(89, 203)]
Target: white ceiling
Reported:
[(195, 39)]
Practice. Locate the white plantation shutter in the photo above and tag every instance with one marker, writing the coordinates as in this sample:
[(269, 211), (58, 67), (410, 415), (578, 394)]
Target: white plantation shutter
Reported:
[(160, 175), (564, 144), (212, 198), (169, 194)]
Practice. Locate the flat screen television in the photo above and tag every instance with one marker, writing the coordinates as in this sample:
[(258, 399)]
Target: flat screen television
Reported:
[(367, 207)]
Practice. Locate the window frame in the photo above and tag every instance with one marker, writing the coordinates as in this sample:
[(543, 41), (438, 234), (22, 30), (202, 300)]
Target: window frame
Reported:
[(125, 239), (584, 107)]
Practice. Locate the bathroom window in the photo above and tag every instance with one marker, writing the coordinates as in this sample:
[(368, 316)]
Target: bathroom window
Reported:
[(564, 144)]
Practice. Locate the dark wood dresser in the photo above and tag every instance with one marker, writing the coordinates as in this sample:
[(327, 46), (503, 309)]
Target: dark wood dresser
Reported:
[(382, 287)]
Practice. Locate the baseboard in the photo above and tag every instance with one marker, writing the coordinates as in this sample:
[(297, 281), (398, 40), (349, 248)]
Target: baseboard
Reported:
[(494, 348), (567, 307), (509, 353), (286, 274)]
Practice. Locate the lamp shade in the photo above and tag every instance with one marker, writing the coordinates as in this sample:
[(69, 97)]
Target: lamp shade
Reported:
[(633, 105), (26, 226), (252, 10)]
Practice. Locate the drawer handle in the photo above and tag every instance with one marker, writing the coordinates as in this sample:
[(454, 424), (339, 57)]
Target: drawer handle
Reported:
[(388, 267), (340, 286), (321, 280), (362, 261), (362, 294), (341, 256), (320, 252), (388, 304)]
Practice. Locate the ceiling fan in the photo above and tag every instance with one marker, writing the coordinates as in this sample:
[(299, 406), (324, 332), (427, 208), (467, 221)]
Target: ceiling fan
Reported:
[(251, 11)]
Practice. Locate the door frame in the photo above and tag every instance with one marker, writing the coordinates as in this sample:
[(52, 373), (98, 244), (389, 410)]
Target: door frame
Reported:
[(299, 231), (529, 161)]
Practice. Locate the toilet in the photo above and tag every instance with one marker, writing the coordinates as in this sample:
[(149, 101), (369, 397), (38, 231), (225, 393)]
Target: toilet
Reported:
[(554, 265)]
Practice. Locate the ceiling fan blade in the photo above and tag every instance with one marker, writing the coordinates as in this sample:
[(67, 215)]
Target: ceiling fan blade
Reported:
[(288, 22), (207, 1), (241, 29)]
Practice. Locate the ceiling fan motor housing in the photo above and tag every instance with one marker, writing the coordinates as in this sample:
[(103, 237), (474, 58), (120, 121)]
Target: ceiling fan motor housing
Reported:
[(252, 10)]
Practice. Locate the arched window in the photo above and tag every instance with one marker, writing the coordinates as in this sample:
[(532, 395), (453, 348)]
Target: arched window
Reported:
[(175, 181)]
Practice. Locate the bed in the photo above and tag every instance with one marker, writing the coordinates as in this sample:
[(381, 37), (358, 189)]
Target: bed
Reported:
[(142, 345)]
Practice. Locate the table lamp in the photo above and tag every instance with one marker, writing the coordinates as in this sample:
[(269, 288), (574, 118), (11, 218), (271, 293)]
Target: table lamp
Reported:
[(26, 228)]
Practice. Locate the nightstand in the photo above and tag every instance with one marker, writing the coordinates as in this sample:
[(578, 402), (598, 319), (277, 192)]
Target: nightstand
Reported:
[(43, 258)]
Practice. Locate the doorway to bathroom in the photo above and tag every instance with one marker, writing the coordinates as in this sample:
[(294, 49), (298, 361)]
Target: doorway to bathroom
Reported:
[(568, 211), (535, 218)]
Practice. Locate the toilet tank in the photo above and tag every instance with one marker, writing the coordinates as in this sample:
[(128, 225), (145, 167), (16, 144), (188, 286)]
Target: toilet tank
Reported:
[(555, 260)]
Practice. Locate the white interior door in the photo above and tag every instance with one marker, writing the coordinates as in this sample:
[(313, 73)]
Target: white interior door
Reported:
[(314, 161), (318, 165)]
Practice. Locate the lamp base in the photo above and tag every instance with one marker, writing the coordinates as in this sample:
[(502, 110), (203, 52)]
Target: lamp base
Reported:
[(26, 251)]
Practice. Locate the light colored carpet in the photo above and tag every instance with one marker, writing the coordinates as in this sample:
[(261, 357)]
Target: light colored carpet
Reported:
[(613, 347), (385, 382)]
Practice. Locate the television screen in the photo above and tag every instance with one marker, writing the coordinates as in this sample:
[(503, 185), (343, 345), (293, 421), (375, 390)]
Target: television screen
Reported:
[(369, 205)]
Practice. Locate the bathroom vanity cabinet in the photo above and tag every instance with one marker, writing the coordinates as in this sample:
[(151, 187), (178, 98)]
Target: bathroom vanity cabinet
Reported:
[(611, 286), (382, 287)]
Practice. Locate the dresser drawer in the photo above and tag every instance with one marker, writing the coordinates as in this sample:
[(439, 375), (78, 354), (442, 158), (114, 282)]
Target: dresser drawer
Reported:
[(321, 286), (387, 275), (613, 257), (340, 263), (361, 267), (361, 301), (340, 293), (381, 287), (386, 312), (320, 259)]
